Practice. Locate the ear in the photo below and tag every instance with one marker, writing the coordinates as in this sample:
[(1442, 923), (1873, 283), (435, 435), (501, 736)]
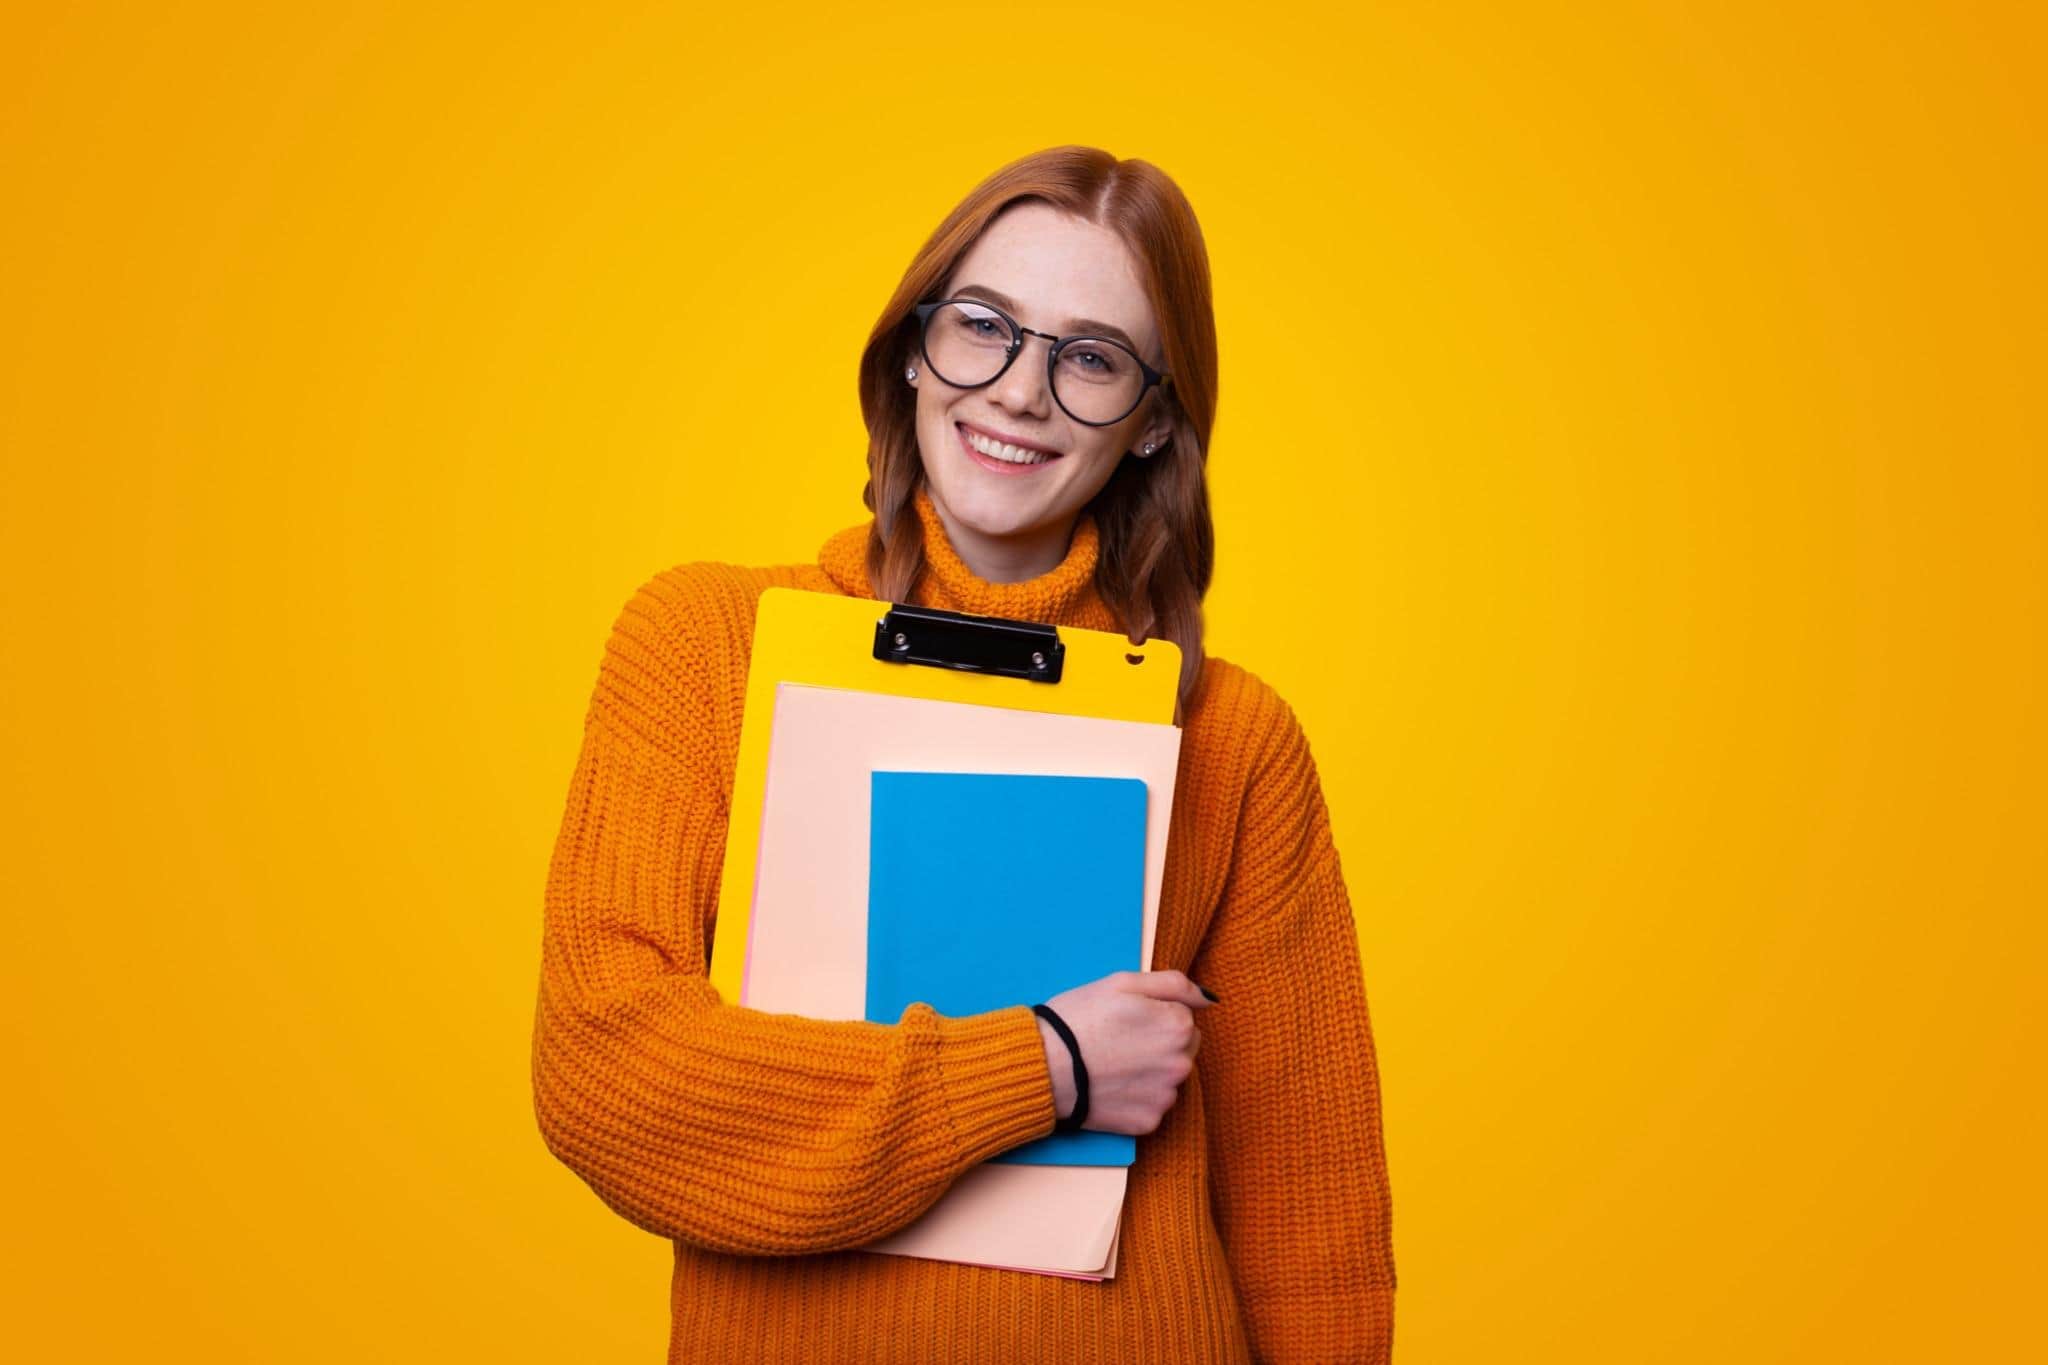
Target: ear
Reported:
[(1158, 428), (1157, 434)]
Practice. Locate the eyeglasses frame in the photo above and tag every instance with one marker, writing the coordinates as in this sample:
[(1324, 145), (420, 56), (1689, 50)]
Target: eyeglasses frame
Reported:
[(924, 311)]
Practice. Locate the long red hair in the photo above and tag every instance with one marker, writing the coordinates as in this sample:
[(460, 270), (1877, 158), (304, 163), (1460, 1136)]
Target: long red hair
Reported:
[(1158, 544)]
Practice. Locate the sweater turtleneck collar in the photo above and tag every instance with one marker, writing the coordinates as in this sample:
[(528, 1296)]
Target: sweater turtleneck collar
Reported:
[(1063, 595)]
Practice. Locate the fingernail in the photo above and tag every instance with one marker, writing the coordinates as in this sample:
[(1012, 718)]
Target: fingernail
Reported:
[(1204, 990)]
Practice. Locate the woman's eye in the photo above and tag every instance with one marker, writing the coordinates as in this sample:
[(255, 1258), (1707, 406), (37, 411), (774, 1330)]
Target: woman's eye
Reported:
[(979, 327)]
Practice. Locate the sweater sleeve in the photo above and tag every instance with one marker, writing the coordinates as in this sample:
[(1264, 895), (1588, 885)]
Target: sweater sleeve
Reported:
[(1298, 1174), (736, 1130)]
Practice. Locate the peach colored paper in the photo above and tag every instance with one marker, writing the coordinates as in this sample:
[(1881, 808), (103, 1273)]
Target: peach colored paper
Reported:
[(807, 950)]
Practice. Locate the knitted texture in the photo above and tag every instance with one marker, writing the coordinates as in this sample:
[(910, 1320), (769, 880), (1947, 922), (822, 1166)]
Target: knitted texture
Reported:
[(1258, 1223)]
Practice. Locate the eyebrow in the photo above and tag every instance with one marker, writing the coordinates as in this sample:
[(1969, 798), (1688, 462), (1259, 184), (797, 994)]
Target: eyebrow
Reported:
[(1078, 325)]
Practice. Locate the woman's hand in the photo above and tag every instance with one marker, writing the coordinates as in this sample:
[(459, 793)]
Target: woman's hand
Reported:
[(1138, 1040)]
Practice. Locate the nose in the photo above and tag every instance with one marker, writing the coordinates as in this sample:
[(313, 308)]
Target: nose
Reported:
[(1022, 387)]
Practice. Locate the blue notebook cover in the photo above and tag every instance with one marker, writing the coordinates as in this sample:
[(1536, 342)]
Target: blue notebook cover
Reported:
[(993, 889)]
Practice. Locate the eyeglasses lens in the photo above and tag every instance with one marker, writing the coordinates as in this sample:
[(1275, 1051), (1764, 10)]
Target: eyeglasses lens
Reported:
[(1096, 379)]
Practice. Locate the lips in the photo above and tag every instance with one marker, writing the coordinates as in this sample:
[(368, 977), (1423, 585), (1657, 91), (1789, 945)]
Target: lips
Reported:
[(1001, 468), (1007, 439)]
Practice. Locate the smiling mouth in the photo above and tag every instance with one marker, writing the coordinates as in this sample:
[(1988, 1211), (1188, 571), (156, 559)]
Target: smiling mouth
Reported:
[(1001, 455)]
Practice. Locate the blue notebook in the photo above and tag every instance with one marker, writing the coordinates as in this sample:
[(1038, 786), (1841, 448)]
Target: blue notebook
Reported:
[(993, 889)]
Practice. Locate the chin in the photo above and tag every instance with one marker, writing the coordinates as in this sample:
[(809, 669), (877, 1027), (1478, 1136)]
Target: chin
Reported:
[(990, 511), (971, 493)]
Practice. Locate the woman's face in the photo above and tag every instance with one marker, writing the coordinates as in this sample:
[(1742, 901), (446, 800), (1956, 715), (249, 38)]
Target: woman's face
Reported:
[(1045, 268)]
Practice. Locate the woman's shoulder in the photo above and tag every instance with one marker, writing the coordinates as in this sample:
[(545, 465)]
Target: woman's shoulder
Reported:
[(1239, 713), (705, 594), (674, 666), (1251, 740)]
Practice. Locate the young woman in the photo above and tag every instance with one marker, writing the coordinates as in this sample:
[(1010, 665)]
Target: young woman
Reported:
[(1039, 395)]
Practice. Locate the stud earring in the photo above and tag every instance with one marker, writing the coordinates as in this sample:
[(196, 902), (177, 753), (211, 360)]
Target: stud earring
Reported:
[(910, 373), (1149, 447)]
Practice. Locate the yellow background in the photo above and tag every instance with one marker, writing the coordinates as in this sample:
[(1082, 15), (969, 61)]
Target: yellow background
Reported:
[(1628, 463)]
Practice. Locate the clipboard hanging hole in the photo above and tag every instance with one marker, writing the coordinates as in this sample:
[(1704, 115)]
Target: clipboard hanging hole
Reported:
[(1134, 658)]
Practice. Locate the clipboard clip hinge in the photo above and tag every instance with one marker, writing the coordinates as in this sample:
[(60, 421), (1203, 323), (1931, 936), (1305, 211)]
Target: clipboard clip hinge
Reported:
[(977, 644)]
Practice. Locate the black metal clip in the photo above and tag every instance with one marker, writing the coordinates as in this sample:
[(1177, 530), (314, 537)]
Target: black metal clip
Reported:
[(978, 644)]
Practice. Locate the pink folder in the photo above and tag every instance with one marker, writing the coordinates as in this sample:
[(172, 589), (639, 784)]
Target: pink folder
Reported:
[(807, 946)]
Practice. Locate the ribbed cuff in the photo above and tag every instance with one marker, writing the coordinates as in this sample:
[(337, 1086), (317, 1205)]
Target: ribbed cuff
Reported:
[(997, 1084)]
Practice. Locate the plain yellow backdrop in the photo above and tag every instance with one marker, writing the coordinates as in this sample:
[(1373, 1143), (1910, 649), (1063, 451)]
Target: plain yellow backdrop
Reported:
[(1629, 464)]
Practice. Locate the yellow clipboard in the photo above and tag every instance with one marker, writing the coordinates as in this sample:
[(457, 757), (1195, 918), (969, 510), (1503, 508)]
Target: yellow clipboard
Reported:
[(858, 644)]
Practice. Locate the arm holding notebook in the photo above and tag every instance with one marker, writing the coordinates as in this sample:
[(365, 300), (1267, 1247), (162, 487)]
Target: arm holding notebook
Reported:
[(731, 1128)]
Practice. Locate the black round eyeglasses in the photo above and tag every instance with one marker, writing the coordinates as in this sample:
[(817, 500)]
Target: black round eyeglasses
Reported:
[(1097, 380)]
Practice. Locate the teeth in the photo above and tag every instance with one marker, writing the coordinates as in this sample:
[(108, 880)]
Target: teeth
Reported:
[(1003, 451)]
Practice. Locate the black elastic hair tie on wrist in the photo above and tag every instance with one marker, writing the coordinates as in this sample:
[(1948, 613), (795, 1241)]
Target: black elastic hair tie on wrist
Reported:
[(1072, 1122)]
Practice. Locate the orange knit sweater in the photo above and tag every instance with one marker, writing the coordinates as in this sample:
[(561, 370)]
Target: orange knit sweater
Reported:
[(1258, 1224)]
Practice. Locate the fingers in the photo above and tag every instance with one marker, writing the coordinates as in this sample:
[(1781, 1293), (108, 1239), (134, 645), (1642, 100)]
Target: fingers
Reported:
[(1169, 985)]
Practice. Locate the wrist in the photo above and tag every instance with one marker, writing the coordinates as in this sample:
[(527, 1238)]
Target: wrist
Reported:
[(1060, 1064)]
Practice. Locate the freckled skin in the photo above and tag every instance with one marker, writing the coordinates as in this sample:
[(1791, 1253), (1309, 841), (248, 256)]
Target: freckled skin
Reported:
[(1011, 527)]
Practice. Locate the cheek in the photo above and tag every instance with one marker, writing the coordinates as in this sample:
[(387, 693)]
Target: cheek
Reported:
[(1102, 453)]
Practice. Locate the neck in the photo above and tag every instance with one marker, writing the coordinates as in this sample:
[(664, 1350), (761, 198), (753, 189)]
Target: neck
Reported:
[(1064, 594), (1009, 559)]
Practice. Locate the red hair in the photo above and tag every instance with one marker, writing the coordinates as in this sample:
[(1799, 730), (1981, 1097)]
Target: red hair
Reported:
[(1158, 544)]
